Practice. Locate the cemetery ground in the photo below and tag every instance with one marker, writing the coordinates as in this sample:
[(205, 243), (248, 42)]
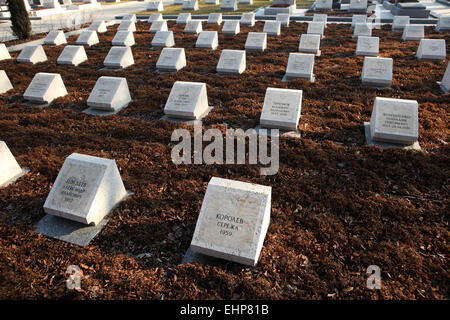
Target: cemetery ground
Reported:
[(338, 205)]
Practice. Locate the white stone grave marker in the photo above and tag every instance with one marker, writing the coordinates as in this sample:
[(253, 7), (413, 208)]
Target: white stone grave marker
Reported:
[(171, 59), (377, 72), (72, 55), (207, 39), (231, 27), (256, 41), (281, 109), (109, 94), (88, 38), (32, 54), (163, 39), (119, 58), (187, 100), (232, 62), (45, 87)]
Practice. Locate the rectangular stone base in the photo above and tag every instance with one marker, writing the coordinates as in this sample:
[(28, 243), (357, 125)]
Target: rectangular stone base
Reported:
[(193, 257), (187, 121), (387, 145), (98, 112), (286, 78), (35, 104)]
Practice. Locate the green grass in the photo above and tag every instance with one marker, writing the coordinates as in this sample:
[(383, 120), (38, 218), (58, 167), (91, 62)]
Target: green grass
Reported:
[(210, 8)]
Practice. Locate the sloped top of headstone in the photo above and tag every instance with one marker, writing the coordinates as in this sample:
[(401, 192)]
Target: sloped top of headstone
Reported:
[(45, 87), (187, 100), (10, 167), (99, 26), (4, 53), (88, 37), (5, 84), (32, 54), (55, 37), (183, 18), (72, 55), (109, 94)]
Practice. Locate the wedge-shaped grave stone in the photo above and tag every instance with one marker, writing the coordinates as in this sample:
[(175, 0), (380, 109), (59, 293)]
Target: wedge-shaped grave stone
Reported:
[(160, 25), (413, 32), (320, 18), (358, 6), (231, 62), (4, 53), (86, 189), (377, 72), (323, 4), (127, 25), (281, 109), (362, 29), (208, 39), (130, 17), (400, 22), (110, 94), (394, 120), (215, 18), (316, 28), (216, 2), (155, 17), (445, 83), (87, 38), (11, 170), (358, 18), (367, 46), (171, 59), (5, 84), (229, 5), (193, 26), (272, 28), (231, 27), (32, 54), (256, 41), (443, 24), (283, 18), (45, 87), (163, 39), (119, 58), (155, 6), (248, 19), (72, 55), (123, 38), (191, 5), (55, 38), (310, 43), (98, 26), (187, 100), (431, 49), (233, 221), (300, 65), (183, 18)]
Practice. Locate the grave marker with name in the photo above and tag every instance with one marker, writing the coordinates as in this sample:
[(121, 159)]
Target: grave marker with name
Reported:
[(55, 38), (207, 39), (193, 26), (183, 18), (358, 18), (377, 71), (256, 41), (316, 28), (119, 58), (187, 100), (87, 38), (231, 27), (413, 32), (320, 18), (155, 17), (432, 49), (281, 109), (171, 60), (160, 25), (155, 6), (72, 55), (229, 5), (310, 43), (272, 28), (45, 87), (232, 62), (163, 39), (248, 19), (358, 6), (98, 26), (215, 18), (283, 18), (32, 54), (323, 4), (190, 5), (300, 65), (123, 38), (127, 25), (400, 22), (362, 29), (109, 94), (367, 46)]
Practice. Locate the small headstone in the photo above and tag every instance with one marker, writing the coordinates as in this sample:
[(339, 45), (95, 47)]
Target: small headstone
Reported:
[(358, 18), (300, 65), (248, 19), (316, 28), (207, 39), (10, 168), (229, 5), (283, 18), (362, 29), (123, 38), (32, 54), (72, 55), (272, 28), (367, 46), (5, 84), (358, 6), (193, 26), (281, 109), (4, 53), (256, 41), (323, 4), (231, 62), (98, 26), (109, 94), (155, 17), (445, 84), (233, 221), (413, 32), (187, 100), (443, 24), (127, 25), (119, 58), (400, 22), (163, 39), (171, 59), (377, 72), (394, 120), (215, 18), (86, 189), (191, 5), (431, 49), (160, 25), (45, 87), (129, 17), (155, 6), (88, 38), (55, 38), (231, 27), (183, 18), (310, 43), (320, 18)]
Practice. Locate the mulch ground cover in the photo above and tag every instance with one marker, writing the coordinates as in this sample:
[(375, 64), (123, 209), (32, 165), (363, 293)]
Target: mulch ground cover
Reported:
[(338, 205)]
